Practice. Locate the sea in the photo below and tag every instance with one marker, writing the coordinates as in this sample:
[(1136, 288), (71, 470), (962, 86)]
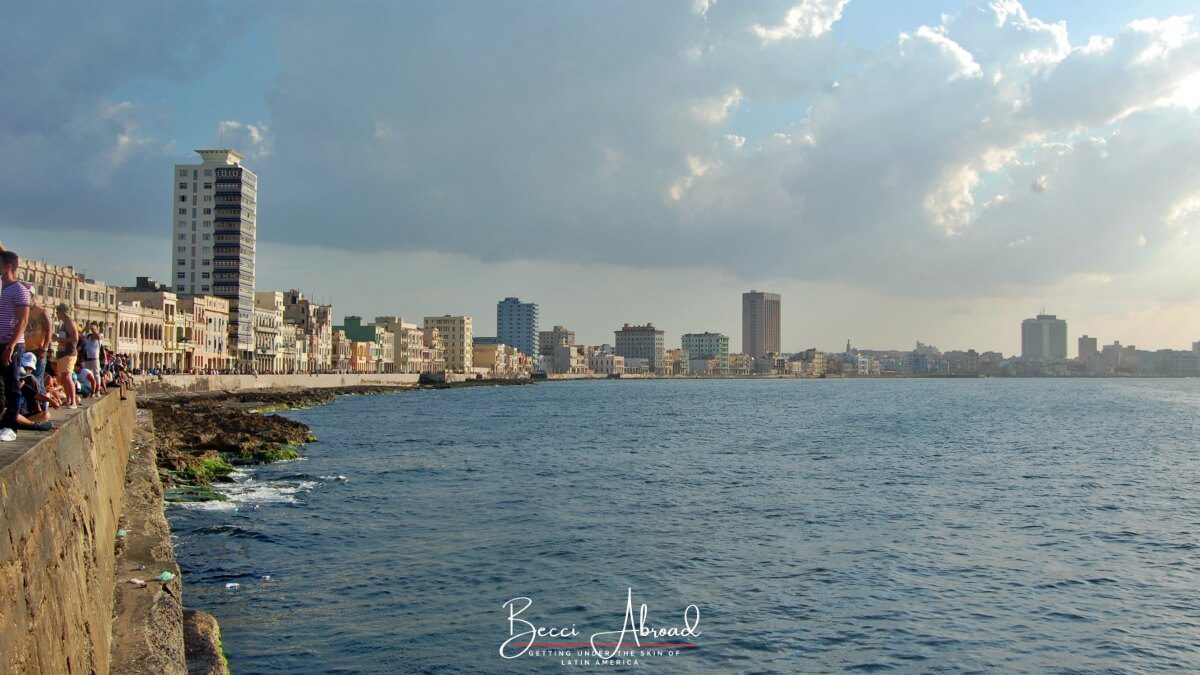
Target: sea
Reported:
[(744, 526)]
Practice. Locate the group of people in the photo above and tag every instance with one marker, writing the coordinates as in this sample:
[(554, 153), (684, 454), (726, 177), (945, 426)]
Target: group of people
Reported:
[(46, 364)]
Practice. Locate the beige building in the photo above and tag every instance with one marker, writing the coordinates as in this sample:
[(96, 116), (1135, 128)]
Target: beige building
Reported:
[(51, 284), (457, 335), (549, 339), (90, 301), (316, 321), (340, 351), (268, 332), (409, 353), (149, 293), (740, 364), (433, 357), (571, 359), (139, 334), (500, 361), (606, 363), (204, 342), (675, 362)]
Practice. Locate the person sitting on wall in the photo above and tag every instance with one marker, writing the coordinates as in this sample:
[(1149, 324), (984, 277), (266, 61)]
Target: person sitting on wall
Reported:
[(85, 381), (35, 411), (54, 390)]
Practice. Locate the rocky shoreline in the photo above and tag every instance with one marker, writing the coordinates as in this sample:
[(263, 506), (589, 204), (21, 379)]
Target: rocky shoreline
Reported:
[(203, 437)]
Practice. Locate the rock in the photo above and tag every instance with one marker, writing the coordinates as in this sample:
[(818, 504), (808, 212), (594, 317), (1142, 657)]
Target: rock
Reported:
[(202, 641)]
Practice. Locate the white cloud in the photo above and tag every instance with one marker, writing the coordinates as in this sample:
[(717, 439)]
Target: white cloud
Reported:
[(807, 19), (252, 140), (716, 110), (1167, 34), (965, 65)]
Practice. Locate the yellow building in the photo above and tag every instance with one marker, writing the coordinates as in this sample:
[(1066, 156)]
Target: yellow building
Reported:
[(458, 336)]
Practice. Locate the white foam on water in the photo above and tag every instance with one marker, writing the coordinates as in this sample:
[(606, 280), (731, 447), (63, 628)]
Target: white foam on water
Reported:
[(206, 506), (246, 489)]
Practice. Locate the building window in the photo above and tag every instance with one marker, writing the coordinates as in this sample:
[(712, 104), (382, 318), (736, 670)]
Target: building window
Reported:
[(208, 172), (206, 237), (208, 198), (183, 212), (183, 198), (206, 262), (183, 172), (207, 186), (208, 212), (182, 237), (204, 288), (180, 275), (183, 186), (208, 223), (204, 275), (182, 249), (179, 288)]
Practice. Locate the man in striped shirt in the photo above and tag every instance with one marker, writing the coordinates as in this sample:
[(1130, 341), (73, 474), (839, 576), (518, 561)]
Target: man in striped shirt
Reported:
[(15, 301)]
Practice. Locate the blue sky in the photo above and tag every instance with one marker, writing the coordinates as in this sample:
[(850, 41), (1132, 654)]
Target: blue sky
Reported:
[(899, 170)]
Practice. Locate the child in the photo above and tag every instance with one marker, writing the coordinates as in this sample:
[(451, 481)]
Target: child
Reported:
[(36, 414)]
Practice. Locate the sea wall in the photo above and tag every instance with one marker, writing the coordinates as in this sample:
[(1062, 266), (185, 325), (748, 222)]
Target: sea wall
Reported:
[(60, 501), (177, 384)]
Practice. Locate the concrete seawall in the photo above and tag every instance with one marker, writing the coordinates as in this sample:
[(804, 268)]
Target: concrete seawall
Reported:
[(178, 384), (60, 500)]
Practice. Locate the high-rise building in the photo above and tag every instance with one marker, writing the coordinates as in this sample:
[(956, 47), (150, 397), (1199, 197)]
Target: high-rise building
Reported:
[(704, 345), (517, 325), (214, 212), (1044, 338), (549, 339), (760, 323), (457, 336), (1087, 347), (642, 342)]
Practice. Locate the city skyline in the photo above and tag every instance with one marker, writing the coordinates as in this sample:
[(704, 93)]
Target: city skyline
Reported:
[(1028, 185)]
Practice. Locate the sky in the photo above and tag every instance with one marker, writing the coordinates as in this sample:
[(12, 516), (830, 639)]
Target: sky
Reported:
[(898, 171)]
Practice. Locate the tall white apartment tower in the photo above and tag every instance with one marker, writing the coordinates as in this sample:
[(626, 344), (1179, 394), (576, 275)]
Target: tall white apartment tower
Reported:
[(517, 325), (214, 233)]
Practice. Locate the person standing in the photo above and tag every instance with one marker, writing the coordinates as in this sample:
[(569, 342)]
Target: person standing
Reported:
[(38, 335), (14, 314), (67, 352), (93, 344)]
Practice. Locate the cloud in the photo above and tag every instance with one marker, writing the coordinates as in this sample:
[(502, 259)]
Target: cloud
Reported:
[(962, 157), (252, 140), (807, 19), (71, 119)]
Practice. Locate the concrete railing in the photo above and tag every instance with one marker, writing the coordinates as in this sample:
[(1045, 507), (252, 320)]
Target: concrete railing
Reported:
[(175, 384), (60, 501)]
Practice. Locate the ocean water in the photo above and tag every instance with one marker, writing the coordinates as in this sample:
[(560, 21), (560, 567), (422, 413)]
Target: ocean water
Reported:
[(816, 526)]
